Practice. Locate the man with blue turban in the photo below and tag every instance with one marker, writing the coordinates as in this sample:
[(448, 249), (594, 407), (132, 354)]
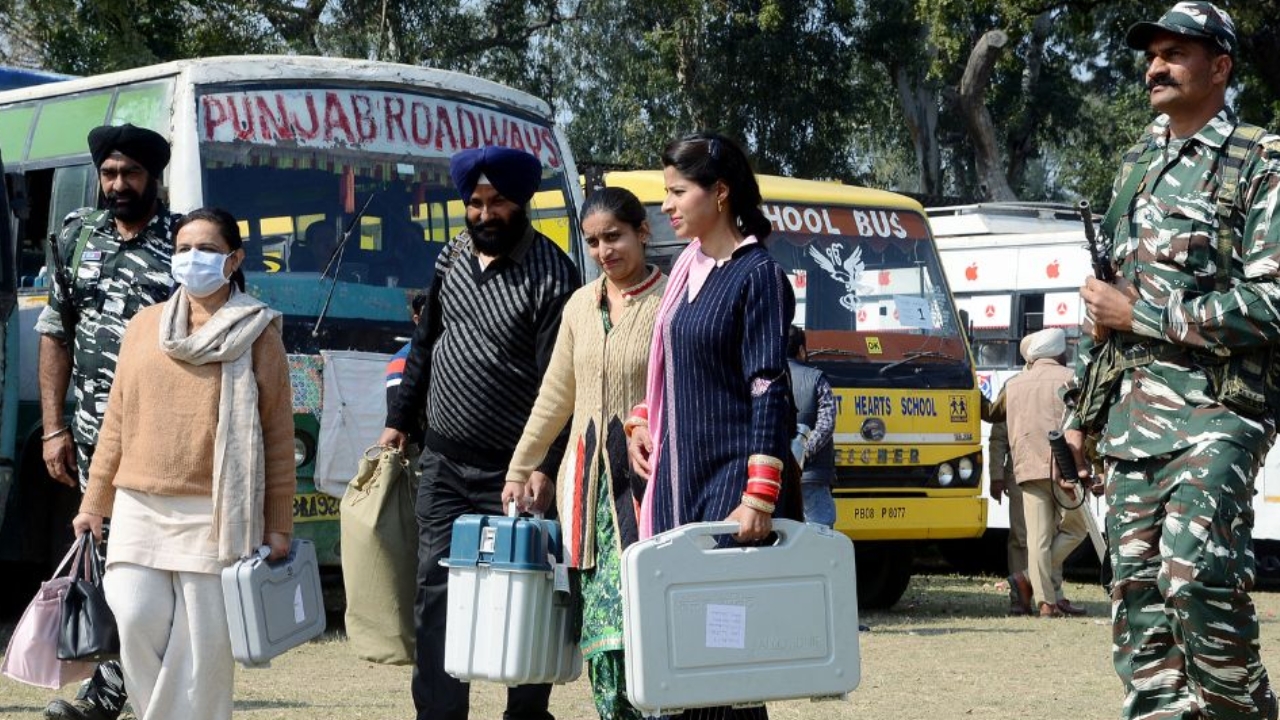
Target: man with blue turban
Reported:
[(475, 363)]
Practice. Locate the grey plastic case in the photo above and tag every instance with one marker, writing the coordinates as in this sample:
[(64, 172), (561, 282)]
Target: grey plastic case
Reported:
[(273, 607), (707, 626)]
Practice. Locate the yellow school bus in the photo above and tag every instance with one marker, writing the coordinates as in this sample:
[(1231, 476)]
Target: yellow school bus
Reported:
[(881, 323)]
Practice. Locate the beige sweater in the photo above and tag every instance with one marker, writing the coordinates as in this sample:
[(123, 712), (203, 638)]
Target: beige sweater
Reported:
[(596, 379), (157, 436)]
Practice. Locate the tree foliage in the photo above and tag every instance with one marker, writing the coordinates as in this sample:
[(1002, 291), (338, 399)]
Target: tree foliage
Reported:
[(1034, 99)]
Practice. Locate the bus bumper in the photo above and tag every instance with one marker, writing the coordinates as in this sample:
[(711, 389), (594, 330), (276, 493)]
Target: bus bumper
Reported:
[(910, 518)]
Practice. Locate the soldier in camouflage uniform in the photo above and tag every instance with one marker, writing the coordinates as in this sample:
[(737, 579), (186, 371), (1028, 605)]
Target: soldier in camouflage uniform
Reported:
[(1197, 256), (119, 260)]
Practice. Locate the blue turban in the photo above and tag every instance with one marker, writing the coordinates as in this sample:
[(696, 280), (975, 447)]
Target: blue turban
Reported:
[(515, 174)]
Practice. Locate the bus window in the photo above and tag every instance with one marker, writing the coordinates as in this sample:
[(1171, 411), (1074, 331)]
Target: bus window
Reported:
[(64, 124), (73, 188), (15, 127)]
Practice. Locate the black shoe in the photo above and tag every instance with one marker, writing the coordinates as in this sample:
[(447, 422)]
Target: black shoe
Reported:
[(77, 709)]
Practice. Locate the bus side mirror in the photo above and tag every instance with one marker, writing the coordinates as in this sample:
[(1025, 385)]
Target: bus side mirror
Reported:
[(966, 325)]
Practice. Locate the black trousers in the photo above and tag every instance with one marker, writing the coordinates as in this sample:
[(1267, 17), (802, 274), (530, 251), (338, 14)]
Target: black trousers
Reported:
[(447, 489)]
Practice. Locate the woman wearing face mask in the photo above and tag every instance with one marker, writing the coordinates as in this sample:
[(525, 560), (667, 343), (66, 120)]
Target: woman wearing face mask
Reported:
[(194, 465), (596, 373)]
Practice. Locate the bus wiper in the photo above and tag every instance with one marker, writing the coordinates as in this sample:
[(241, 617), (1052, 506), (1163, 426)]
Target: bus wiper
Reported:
[(335, 261), (835, 351), (913, 356)]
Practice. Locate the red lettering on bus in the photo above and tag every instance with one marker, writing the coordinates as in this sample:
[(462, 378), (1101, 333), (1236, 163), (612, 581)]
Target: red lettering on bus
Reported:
[(467, 119), (532, 141), (269, 123), (215, 114), (420, 122), (310, 132), (394, 110), (444, 126), (335, 118), (513, 134), (243, 127), (497, 132), (362, 113), (553, 155)]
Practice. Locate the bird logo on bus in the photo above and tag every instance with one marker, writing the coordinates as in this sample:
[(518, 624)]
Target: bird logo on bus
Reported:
[(847, 271)]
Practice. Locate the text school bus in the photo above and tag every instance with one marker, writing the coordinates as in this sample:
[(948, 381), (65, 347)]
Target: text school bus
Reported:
[(299, 149), (881, 323)]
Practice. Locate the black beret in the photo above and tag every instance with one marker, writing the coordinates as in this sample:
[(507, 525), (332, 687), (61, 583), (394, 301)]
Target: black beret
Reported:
[(515, 174), (145, 147)]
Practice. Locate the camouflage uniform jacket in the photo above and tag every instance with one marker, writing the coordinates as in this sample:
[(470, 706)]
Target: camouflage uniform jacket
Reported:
[(1166, 246), (115, 280)]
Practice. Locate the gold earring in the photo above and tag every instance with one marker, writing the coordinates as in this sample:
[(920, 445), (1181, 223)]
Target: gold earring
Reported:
[(719, 205)]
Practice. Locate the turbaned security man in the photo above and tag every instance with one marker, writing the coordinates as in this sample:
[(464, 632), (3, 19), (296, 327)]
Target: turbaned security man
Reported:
[(117, 260)]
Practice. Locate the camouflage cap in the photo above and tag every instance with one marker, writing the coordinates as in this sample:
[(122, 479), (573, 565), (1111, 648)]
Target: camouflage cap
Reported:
[(1191, 19)]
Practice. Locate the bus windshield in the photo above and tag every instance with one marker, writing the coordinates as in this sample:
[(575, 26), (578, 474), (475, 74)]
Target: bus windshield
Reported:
[(870, 294), (305, 167)]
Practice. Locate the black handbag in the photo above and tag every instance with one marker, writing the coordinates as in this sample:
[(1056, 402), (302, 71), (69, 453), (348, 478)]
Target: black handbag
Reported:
[(88, 628)]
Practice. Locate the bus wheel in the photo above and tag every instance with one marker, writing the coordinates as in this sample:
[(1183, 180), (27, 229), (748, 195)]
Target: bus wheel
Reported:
[(884, 571)]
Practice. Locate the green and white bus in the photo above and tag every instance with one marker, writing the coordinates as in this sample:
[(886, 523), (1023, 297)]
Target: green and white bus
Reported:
[(287, 145)]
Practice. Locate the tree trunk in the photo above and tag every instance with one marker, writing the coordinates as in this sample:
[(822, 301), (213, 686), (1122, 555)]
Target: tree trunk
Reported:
[(1022, 142), (920, 109), (973, 89)]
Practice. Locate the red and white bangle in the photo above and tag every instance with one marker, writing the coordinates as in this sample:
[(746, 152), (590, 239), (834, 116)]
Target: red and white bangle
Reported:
[(764, 478), (639, 418), (756, 503)]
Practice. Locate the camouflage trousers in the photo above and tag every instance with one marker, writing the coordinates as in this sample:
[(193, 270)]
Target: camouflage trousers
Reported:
[(84, 455), (1185, 630)]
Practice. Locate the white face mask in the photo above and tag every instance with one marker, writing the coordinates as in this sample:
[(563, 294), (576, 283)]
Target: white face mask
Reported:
[(200, 272)]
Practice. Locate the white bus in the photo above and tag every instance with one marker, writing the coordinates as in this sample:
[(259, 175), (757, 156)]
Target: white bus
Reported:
[(287, 145), (1017, 268)]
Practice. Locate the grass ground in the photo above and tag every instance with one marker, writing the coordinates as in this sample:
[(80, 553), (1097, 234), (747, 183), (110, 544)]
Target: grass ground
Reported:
[(946, 651)]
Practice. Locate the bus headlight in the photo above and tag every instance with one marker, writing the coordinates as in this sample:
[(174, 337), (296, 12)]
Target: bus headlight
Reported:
[(299, 452), (946, 473), (966, 468)]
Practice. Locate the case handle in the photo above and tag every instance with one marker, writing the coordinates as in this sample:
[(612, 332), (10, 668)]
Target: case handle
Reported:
[(786, 530)]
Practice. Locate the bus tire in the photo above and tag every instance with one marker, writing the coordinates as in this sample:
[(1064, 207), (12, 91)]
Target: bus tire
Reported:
[(884, 572)]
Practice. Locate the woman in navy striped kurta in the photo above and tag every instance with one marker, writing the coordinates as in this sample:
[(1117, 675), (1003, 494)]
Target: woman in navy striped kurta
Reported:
[(718, 374), (718, 396)]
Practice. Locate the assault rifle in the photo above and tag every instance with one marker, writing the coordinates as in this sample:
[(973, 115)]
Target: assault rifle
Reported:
[(62, 286), (1098, 254), (1092, 398)]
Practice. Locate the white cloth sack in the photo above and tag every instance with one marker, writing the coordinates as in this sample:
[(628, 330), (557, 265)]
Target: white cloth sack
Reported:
[(353, 413)]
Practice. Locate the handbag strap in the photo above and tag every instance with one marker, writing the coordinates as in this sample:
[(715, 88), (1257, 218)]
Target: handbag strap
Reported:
[(70, 562)]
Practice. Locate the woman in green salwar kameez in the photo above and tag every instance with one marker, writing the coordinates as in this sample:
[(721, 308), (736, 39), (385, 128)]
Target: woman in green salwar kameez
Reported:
[(595, 376)]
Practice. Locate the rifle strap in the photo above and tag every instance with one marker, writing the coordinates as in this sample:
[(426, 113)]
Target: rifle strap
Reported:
[(1238, 147), (88, 225), (1133, 182)]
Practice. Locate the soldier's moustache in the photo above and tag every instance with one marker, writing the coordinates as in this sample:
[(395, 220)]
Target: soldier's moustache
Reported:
[(1162, 80)]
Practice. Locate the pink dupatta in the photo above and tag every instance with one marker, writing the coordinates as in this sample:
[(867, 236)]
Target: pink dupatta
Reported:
[(655, 385)]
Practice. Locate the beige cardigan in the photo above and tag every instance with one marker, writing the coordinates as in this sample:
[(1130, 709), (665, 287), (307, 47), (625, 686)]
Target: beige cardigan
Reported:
[(157, 436), (596, 379)]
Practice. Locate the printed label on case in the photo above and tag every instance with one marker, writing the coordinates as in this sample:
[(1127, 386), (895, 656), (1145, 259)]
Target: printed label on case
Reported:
[(727, 626)]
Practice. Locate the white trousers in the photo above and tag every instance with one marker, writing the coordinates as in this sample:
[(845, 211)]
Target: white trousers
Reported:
[(174, 642)]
